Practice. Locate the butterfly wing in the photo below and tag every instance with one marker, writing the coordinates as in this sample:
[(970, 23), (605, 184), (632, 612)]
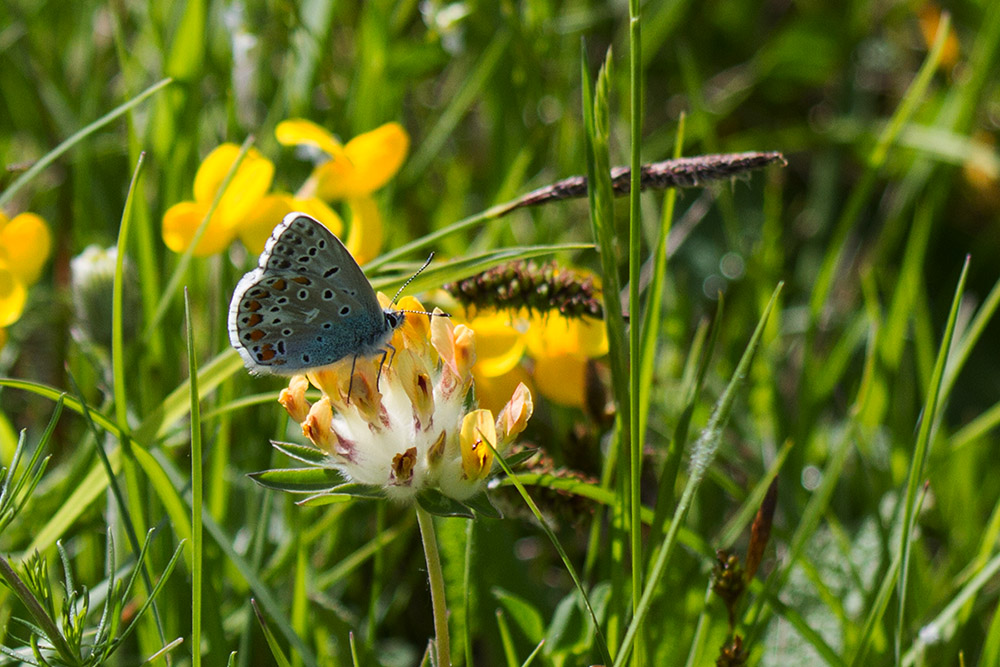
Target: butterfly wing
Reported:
[(307, 304)]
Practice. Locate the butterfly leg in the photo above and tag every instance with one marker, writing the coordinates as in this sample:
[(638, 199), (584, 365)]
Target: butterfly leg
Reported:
[(381, 362), (350, 383)]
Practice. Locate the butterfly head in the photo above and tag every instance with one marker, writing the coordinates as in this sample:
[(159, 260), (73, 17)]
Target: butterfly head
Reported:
[(394, 318)]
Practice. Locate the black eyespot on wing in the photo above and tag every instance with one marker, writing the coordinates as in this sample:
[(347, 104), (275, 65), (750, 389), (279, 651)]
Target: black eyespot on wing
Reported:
[(328, 294), (331, 271), (345, 310), (303, 294)]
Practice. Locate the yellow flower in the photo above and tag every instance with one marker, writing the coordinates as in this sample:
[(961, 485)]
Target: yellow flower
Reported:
[(25, 244), (407, 425), (560, 347), (352, 173), (13, 296), (356, 169), (256, 228), (246, 189)]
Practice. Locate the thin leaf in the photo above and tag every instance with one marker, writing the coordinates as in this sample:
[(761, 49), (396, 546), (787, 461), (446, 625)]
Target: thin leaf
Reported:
[(308, 454), (434, 502), (298, 480), (272, 641), (76, 138)]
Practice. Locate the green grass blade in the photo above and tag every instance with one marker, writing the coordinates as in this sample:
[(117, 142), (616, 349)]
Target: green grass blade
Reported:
[(272, 641), (514, 479), (463, 267), (117, 342), (701, 458), (879, 604), (76, 138), (636, 388), (187, 256), (863, 190), (652, 314), (972, 334), (46, 624), (919, 457), (456, 109), (197, 490), (506, 641)]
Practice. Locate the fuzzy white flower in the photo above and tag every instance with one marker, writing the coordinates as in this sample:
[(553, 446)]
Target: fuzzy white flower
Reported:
[(412, 428)]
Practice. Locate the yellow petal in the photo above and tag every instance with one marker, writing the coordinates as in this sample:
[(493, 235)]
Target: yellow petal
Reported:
[(302, 132), (456, 345), (562, 379), (26, 242), (180, 223), (499, 345), (365, 239), (257, 226), (250, 182), (13, 295), (478, 428), (552, 334), (293, 398), (368, 161), (515, 415), (378, 155), (493, 392)]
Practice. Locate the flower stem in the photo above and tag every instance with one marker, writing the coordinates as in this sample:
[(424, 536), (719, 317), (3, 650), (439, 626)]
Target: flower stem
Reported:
[(436, 579)]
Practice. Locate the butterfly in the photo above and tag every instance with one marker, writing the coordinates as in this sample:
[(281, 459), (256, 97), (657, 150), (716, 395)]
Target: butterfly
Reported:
[(307, 304)]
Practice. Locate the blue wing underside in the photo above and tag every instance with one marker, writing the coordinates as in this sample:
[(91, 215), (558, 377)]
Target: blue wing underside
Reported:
[(306, 305)]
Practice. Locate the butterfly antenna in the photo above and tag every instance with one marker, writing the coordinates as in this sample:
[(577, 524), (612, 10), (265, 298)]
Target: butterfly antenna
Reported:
[(410, 279)]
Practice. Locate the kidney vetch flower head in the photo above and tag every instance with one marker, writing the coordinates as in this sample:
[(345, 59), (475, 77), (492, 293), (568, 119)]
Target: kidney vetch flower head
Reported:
[(413, 429)]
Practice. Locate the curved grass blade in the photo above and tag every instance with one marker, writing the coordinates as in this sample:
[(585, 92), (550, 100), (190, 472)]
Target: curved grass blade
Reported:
[(76, 138), (919, 458), (602, 645), (185, 260), (272, 641)]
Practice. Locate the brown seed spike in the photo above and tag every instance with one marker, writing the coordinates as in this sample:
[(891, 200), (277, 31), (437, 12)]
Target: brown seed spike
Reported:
[(760, 531)]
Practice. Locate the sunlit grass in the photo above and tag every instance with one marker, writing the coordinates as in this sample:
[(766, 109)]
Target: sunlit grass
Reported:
[(851, 358)]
